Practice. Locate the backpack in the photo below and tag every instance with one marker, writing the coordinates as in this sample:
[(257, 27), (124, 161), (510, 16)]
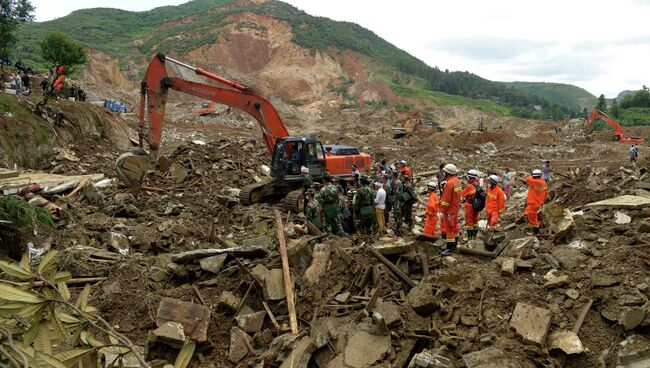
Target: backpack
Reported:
[(478, 202)]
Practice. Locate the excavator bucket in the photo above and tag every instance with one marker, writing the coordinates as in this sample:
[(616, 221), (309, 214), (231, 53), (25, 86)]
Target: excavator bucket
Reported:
[(132, 167)]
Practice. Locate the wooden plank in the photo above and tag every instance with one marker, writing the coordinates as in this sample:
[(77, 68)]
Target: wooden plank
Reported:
[(271, 316), (288, 285), (424, 262), (345, 256), (246, 252), (394, 269), (581, 318), (374, 295), (8, 174), (195, 318)]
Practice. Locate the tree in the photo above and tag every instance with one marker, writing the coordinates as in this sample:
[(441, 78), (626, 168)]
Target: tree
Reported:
[(614, 109), (12, 14), (59, 51), (602, 105)]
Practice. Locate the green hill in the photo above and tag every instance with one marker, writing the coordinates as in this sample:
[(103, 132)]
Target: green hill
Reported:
[(132, 37), (567, 95)]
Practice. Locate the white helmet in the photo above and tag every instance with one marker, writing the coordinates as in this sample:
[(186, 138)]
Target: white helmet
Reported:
[(537, 173), (432, 185), (473, 174), (403, 162), (304, 170), (494, 179), (450, 169)]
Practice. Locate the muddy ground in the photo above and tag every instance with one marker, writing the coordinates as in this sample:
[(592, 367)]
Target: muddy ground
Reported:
[(471, 298)]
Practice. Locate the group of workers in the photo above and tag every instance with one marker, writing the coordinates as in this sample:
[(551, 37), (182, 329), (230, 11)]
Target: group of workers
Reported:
[(344, 207)]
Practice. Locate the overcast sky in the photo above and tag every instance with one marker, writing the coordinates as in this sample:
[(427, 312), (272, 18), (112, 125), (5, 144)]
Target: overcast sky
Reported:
[(602, 46)]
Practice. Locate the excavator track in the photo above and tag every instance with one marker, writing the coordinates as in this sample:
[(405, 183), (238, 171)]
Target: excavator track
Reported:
[(294, 201), (255, 193)]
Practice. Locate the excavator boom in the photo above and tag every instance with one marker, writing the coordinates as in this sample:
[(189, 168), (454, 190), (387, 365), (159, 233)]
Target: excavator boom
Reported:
[(618, 135), (288, 154)]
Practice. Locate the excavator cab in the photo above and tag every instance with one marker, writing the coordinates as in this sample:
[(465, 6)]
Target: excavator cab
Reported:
[(292, 153)]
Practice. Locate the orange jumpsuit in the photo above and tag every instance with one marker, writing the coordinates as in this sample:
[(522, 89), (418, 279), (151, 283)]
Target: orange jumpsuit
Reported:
[(449, 207), (495, 203), (406, 171), (471, 216), (537, 190), (431, 212)]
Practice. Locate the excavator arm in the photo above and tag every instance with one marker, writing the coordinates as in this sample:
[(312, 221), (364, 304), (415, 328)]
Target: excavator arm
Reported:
[(132, 167), (599, 115), (618, 135)]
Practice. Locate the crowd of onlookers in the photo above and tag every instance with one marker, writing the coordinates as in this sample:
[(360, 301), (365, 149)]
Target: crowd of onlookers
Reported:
[(20, 81)]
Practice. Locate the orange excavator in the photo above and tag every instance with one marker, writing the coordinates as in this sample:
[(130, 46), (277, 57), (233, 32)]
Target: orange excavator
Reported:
[(618, 131), (206, 109), (288, 153)]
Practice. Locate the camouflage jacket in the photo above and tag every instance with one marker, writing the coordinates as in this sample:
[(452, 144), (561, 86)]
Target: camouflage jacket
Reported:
[(365, 197), (329, 194)]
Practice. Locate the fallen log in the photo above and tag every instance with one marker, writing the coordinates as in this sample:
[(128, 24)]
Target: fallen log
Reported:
[(401, 275), (288, 285)]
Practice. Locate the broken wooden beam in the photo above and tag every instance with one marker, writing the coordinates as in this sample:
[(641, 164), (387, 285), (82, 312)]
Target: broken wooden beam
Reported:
[(288, 286), (246, 252), (195, 318), (583, 314), (391, 266)]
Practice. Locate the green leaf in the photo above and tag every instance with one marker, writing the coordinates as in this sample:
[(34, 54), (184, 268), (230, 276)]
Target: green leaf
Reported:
[(46, 360), (59, 325), (73, 356), (83, 298), (15, 271), (47, 261), (89, 339), (185, 355), (31, 310), (12, 294), (24, 262), (61, 276), (63, 289), (43, 340)]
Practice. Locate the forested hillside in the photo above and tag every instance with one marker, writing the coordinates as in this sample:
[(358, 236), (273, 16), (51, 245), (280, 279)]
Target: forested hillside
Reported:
[(132, 37)]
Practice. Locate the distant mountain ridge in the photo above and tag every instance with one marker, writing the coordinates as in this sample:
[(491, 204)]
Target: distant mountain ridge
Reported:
[(567, 95), (247, 36)]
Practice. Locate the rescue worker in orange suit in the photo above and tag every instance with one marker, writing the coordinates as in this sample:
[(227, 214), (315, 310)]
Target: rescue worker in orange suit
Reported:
[(431, 210), (537, 191), (450, 206), (443, 232), (495, 201), (404, 169), (468, 194)]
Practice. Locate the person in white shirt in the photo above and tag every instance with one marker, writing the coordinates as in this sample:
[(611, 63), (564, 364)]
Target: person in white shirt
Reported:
[(380, 206)]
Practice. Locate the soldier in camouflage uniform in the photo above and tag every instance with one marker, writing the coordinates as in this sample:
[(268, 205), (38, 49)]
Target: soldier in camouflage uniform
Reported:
[(347, 220), (407, 204), (307, 182), (329, 199), (365, 206), (397, 204), (314, 211)]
